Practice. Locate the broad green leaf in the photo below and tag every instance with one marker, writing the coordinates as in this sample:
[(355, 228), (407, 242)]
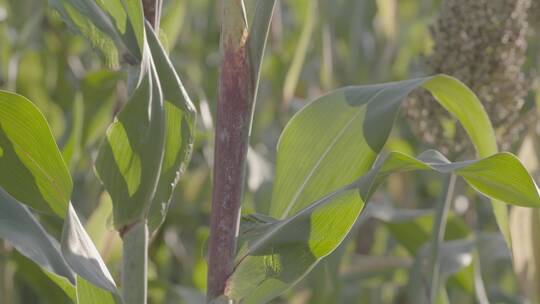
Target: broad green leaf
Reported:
[(19, 227), (500, 176), (33, 171), (281, 253), (336, 138), (179, 131), (87, 293), (326, 146), (130, 157), (82, 255)]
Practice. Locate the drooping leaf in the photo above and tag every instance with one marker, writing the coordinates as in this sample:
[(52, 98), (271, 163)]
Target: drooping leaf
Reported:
[(130, 157), (179, 130), (281, 254), (500, 176), (82, 255), (19, 227), (326, 146), (336, 138), (33, 171)]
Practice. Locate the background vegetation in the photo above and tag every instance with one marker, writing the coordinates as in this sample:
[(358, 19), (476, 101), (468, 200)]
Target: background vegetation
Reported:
[(314, 46)]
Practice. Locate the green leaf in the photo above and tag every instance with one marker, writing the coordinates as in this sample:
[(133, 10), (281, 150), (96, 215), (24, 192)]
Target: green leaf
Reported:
[(113, 26), (82, 255), (33, 171), (19, 227), (87, 293), (338, 136), (327, 146), (99, 95), (285, 251), (500, 176), (179, 131), (130, 157)]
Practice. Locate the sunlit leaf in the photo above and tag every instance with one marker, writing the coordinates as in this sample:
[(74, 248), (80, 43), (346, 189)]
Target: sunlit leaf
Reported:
[(82, 255), (33, 171), (87, 293), (179, 131), (130, 157), (327, 146)]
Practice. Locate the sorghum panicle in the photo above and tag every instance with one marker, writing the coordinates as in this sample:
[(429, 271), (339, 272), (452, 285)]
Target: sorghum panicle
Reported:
[(482, 43)]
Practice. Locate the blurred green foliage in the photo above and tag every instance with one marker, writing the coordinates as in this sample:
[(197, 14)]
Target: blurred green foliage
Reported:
[(313, 47)]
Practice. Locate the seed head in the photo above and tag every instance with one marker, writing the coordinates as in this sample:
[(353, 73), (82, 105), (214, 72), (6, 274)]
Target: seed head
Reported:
[(483, 44)]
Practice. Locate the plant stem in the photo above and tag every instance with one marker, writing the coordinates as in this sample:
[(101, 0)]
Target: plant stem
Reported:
[(241, 58), (439, 229), (135, 264), (150, 11), (234, 107)]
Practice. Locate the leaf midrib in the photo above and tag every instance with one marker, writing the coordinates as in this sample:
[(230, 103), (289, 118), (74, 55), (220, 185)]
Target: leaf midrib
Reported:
[(324, 155)]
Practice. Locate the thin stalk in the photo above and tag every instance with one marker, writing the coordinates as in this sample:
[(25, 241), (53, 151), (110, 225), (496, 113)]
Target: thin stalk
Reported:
[(241, 58), (135, 264), (439, 229), (151, 10), (234, 108)]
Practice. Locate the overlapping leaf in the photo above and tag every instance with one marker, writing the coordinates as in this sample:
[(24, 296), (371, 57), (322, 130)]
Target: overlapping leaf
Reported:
[(283, 251), (145, 150), (326, 146), (130, 156), (179, 130), (34, 173)]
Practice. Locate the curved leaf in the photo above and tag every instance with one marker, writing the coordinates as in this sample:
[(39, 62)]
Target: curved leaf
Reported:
[(82, 255), (282, 252), (130, 157), (336, 138), (179, 130), (19, 227), (327, 145), (33, 171)]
